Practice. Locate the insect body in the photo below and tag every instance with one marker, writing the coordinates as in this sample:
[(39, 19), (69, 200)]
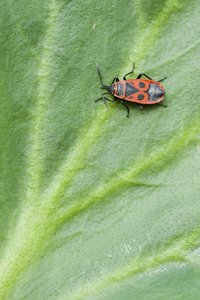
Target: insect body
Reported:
[(140, 91)]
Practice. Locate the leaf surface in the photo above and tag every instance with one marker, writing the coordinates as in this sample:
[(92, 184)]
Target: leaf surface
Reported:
[(95, 205)]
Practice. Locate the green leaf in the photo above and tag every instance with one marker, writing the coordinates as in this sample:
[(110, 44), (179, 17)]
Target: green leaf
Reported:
[(95, 205)]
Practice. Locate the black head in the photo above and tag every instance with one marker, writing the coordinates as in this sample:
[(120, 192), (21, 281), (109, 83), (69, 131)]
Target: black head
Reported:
[(110, 88)]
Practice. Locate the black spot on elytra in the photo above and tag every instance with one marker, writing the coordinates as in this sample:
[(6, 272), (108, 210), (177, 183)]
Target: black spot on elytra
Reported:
[(141, 84), (140, 97)]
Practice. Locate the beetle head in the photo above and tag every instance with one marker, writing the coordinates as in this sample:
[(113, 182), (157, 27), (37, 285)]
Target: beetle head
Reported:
[(110, 88)]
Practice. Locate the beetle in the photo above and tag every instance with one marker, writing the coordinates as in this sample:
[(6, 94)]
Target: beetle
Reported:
[(140, 91)]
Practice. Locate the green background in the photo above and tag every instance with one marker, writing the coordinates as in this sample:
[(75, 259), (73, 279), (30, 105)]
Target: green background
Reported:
[(95, 205)]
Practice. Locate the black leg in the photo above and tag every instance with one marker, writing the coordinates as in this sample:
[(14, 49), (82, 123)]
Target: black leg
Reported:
[(138, 105), (162, 79), (116, 78), (142, 74), (102, 96), (124, 78), (126, 108), (104, 99), (113, 100), (161, 104)]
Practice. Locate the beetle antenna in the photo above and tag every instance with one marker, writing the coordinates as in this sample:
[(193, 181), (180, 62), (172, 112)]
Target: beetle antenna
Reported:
[(99, 74)]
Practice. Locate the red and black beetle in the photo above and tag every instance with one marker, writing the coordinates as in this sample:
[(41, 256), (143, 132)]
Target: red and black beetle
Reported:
[(140, 91)]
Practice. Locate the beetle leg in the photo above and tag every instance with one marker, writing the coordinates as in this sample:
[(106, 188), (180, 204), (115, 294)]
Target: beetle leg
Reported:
[(138, 105), (101, 97), (126, 108), (162, 79), (162, 104), (124, 78), (142, 74), (116, 78), (104, 99), (113, 100)]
